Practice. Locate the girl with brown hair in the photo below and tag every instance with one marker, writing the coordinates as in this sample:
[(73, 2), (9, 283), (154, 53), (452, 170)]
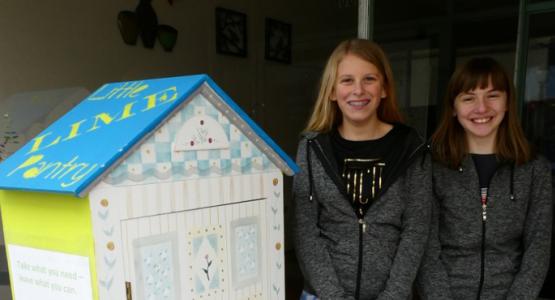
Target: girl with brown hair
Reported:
[(491, 227)]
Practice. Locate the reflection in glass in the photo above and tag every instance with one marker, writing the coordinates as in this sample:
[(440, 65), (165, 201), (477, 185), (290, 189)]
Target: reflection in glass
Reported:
[(539, 94), (538, 115)]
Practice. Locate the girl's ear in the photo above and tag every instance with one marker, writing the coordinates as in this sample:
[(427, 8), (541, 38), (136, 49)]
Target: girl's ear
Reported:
[(384, 94)]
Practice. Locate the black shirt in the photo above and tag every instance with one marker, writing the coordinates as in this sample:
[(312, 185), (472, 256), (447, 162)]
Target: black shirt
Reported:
[(486, 164), (363, 165)]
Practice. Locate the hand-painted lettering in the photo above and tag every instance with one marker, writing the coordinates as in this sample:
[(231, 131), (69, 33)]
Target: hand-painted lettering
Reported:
[(167, 95), (127, 113), (30, 161), (126, 90), (74, 131), (67, 173), (37, 142), (104, 117)]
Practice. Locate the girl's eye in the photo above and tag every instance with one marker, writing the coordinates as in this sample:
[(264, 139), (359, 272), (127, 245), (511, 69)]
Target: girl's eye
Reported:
[(346, 80), (370, 78), (494, 96), (467, 98)]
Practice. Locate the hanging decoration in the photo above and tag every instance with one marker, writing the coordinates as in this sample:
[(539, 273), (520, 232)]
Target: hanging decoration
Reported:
[(143, 23)]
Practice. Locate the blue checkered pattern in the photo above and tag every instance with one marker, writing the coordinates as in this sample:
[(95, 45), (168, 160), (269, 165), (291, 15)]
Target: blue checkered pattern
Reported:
[(153, 160)]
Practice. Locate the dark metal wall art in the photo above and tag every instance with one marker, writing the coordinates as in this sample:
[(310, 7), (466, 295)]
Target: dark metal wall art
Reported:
[(143, 22)]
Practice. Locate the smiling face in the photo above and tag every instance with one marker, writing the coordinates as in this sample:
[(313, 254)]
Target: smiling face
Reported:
[(480, 112), (358, 91)]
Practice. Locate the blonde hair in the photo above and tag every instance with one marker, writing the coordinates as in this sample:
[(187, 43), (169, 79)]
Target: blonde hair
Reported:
[(449, 142), (326, 113)]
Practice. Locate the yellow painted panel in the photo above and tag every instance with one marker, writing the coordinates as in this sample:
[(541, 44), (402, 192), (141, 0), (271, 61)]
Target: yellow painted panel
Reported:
[(54, 222)]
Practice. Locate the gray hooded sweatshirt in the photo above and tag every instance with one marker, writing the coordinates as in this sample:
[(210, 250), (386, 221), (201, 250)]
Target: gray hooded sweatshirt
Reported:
[(383, 250), (504, 257)]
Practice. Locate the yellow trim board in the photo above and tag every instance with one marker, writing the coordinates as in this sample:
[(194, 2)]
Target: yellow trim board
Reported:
[(55, 222)]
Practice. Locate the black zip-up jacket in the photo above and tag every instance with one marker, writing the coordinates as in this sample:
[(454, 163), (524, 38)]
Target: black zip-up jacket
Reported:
[(505, 256), (376, 257)]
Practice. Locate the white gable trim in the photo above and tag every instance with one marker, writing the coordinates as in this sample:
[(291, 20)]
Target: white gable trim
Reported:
[(233, 117)]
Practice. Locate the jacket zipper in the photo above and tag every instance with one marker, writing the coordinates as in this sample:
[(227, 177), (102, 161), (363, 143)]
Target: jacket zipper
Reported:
[(361, 229), (362, 224), (484, 201)]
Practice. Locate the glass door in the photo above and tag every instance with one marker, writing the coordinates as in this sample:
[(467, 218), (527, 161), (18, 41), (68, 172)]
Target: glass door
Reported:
[(536, 88)]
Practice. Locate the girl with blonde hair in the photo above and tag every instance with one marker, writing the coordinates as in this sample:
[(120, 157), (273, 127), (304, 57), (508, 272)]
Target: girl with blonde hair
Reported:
[(361, 200)]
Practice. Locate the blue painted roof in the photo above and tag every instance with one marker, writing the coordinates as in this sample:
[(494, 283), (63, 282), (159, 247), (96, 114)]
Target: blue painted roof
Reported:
[(74, 151)]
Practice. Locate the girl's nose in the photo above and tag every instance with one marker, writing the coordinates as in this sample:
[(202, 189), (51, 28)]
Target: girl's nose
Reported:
[(358, 88), (481, 105)]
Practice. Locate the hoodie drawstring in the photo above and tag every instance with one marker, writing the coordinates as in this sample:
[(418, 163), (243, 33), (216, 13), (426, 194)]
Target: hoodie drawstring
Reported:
[(512, 182), (512, 188), (310, 179), (427, 151)]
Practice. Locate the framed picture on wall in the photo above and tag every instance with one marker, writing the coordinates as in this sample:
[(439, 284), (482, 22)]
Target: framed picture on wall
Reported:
[(278, 41), (231, 32)]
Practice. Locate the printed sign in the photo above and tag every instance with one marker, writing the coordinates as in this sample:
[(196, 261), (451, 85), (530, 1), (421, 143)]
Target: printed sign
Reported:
[(48, 275)]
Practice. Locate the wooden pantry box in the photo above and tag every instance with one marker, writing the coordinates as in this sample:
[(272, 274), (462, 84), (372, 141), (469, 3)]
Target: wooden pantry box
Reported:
[(153, 189)]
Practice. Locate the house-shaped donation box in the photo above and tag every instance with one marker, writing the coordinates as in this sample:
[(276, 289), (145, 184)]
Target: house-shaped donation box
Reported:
[(153, 189)]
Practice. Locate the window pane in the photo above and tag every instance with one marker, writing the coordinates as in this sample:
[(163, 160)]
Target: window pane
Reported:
[(539, 93), (539, 100)]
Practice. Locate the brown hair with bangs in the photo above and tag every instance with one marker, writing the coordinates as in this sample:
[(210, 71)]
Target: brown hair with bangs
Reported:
[(449, 141), (326, 113)]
